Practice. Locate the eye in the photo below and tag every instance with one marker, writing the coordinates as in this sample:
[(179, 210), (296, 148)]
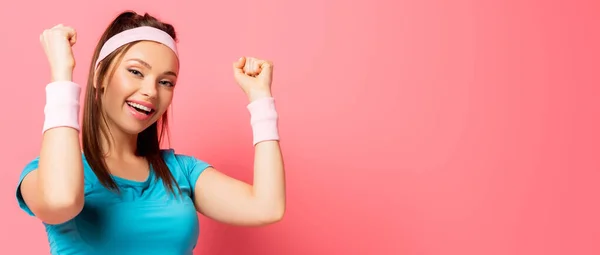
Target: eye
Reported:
[(135, 72), (167, 83)]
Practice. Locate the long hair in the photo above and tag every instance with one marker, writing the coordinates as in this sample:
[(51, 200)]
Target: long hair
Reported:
[(149, 140)]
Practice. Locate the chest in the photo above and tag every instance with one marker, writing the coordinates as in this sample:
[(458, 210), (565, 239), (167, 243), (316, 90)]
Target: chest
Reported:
[(136, 169), (141, 216)]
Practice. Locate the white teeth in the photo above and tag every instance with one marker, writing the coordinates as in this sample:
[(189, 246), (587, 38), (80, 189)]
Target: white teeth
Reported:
[(139, 106)]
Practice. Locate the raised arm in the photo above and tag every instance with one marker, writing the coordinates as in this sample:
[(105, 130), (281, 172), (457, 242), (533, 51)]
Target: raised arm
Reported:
[(232, 201), (54, 191)]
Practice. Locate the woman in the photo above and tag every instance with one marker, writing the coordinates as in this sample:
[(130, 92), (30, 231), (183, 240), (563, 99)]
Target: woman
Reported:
[(125, 195)]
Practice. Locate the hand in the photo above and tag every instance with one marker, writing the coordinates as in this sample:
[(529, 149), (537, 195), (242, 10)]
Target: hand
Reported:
[(254, 76), (57, 43)]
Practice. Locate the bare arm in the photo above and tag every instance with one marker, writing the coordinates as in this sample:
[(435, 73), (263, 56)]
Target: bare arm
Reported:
[(232, 201), (55, 191)]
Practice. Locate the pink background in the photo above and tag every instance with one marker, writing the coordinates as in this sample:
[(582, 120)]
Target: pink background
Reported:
[(409, 127)]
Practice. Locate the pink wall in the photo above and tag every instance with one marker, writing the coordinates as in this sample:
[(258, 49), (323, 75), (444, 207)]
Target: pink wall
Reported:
[(409, 127)]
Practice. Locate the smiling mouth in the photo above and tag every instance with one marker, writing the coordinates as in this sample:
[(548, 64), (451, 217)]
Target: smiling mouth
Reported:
[(140, 108)]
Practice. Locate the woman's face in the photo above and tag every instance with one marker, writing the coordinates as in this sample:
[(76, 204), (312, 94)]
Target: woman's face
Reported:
[(141, 88)]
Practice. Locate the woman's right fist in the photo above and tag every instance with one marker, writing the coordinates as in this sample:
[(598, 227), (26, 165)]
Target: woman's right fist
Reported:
[(57, 42)]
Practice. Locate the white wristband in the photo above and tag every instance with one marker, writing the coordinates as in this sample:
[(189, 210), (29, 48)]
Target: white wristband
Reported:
[(62, 105), (263, 118)]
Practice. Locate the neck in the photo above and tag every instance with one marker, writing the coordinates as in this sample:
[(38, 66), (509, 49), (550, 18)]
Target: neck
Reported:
[(118, 144)]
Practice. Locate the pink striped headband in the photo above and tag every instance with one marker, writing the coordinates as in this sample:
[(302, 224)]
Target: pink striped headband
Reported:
[(144, 33)]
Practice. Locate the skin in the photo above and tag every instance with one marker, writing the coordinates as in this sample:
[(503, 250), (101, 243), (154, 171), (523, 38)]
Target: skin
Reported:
[(148, 72)]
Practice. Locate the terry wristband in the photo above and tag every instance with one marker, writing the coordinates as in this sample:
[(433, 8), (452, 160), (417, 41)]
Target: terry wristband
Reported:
[(62, 105), (263, 118)]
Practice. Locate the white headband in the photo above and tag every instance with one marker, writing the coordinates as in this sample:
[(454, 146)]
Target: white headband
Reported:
[(144, 33)]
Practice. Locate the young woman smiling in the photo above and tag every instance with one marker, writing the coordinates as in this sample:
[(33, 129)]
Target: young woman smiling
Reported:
[(123, 194)]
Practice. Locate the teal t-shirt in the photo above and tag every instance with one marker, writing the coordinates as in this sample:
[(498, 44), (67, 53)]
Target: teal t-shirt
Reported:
[(143, 219)]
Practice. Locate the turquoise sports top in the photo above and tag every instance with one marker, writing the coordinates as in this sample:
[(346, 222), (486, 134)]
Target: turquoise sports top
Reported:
[(143, 219)]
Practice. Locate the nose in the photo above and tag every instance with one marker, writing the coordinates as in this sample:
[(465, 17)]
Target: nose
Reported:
[(148, 88)]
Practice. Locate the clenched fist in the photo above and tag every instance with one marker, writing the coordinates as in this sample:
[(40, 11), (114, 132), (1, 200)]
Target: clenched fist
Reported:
[(254, 76), (57, 42)]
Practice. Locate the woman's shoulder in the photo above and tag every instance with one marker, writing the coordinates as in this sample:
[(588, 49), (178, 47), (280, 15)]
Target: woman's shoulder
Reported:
[(184, 162), (183, 159)]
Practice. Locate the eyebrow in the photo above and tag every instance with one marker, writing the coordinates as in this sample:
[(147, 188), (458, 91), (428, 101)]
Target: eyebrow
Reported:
[(144, 63)]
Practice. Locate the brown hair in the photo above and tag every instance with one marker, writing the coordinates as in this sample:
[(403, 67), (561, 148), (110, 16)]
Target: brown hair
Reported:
[(149, 140)]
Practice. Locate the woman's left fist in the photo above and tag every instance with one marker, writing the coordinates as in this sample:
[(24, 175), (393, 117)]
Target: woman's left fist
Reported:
[(254, 76)]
